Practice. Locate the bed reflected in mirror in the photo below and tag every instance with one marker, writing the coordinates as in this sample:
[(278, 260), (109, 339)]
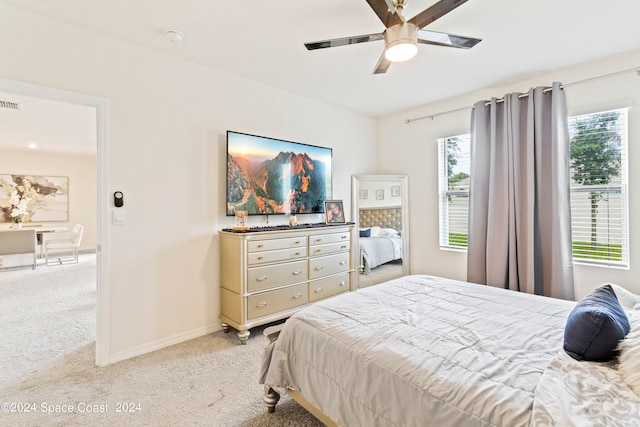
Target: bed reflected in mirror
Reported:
[(379, 209)]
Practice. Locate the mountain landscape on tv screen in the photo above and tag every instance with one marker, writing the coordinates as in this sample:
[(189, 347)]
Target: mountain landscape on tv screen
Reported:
[(288, 183)]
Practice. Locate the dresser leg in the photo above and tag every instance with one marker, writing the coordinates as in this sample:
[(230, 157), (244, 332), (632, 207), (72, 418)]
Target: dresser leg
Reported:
[(244, 336), (225, 327)]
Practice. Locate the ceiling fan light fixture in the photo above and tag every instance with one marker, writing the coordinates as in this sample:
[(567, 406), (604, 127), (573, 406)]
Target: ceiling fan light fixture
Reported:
[(401, 36), (401, 42), (402, 51)]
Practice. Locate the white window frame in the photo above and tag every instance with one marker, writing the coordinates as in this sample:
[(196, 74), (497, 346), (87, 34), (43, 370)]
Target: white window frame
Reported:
[(622, 187), (444, 195)]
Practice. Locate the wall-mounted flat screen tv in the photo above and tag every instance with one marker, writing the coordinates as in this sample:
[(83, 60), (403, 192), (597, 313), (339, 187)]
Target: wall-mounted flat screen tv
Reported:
[(267, 176)]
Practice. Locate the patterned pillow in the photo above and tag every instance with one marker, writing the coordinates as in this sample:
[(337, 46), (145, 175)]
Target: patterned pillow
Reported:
[(629, 359), (595, 326)]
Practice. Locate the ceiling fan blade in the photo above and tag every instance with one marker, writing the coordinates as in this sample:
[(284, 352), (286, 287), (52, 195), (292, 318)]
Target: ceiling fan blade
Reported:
[(343, 41), (386, 11), (382, 65), (444, 39), (435, 11)]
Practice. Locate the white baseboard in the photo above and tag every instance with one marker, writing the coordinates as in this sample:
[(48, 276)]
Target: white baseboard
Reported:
[(165, 342)]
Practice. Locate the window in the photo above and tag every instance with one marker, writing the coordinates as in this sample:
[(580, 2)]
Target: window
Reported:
[(598, 156), (454, 190), (598, 153)]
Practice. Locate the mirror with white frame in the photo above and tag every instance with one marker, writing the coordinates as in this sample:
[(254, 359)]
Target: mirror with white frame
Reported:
[(379, 209)]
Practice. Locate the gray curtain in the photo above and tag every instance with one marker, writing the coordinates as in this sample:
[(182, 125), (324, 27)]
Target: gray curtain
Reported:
[(519, 207)]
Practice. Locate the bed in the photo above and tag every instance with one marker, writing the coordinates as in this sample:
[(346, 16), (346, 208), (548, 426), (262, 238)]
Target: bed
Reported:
[(423, 350), (380, 237)]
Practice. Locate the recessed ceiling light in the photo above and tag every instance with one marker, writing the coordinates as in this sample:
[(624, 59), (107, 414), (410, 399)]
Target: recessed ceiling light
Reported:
[(32, 146), (174, 36)]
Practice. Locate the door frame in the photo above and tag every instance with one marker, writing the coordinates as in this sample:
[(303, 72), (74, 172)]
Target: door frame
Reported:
[(102, 179)]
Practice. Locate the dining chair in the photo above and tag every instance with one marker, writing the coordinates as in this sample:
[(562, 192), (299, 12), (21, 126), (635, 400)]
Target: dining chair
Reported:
[(71, 245)]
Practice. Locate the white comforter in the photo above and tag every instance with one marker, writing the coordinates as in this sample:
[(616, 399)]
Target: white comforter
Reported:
[(380, 250), (420, 351)]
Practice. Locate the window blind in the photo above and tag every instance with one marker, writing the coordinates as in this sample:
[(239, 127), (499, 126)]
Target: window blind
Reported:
[(599, 218), (454, 167)]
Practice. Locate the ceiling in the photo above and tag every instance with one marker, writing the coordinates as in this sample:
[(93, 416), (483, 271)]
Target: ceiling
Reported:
[(45, 123), (263, 41)]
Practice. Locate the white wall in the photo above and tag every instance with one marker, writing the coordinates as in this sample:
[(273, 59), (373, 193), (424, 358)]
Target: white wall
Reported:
[(81, 171), (412, 147), (166, 148), (372, 188)]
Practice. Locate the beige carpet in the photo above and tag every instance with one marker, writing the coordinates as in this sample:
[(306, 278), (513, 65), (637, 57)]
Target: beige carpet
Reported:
[(380, 274), (47, 358)]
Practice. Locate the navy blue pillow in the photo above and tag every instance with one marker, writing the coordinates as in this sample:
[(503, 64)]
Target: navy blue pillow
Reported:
[(595, 326), (365, 233)]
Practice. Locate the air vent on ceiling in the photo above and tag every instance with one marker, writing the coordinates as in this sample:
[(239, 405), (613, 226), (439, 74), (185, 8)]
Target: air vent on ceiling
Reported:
[(9, 105)]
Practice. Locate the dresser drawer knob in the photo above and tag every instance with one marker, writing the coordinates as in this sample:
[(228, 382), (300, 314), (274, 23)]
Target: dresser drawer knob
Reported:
[(318, 290), (297, 242), (344, 237), (318, 268), (296, 296), (261, 278), (343, 283), (297, 272), (261, 246), (318, 250), (296, 254), (343, 262), (344, 247), (261, 305), (259, 258), (318, 240)]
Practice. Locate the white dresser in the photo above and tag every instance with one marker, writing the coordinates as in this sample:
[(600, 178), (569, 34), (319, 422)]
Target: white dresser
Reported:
[(269, 275)]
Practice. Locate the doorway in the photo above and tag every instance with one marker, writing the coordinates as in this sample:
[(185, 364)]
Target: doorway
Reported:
[(100, 108)]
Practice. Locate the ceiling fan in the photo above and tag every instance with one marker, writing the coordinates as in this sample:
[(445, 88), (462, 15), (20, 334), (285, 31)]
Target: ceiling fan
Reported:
[(401, 35)]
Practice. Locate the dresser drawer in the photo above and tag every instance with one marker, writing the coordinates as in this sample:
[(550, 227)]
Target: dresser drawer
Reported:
[(271, 302), (322, 239), (323, 288), (329, 249), (326, 265), (271, 276), (254, 258), (274, 244)]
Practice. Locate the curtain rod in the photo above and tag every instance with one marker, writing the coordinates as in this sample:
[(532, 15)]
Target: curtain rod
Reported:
[(431, 116)]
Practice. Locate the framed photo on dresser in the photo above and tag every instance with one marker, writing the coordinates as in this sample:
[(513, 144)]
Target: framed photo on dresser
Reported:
[(334, 212)]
